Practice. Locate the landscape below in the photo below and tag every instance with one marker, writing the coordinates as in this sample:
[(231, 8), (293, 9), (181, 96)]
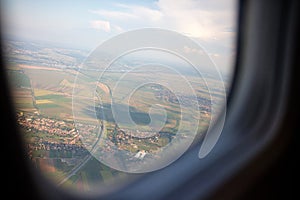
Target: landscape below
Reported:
[(42, 89)]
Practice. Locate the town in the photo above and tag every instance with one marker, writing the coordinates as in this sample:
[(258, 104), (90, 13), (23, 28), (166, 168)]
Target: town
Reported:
[(58, 137)]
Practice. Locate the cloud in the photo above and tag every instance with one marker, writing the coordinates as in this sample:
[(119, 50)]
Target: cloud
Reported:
[(143, 13), (209, 22), (198, 19), (119, 15), (190, 50), (130, 12), (118, 29), (101, 25)]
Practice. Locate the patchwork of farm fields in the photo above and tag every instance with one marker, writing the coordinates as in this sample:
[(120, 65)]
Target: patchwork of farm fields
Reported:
[(44, 103)]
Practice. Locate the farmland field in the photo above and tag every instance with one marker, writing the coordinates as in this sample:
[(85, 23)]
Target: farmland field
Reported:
[(48, 94)]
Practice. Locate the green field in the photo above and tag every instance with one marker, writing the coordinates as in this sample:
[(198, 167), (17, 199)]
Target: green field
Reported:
[(18, 79)]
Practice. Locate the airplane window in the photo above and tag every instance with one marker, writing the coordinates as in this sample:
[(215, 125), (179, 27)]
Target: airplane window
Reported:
[(106, 91)]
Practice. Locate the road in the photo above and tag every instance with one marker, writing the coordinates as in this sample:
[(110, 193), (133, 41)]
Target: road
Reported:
[(85, 160), (88, 157)]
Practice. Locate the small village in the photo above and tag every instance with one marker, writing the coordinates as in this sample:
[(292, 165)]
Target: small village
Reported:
[(204, 104), (134, 141), (62, 137)]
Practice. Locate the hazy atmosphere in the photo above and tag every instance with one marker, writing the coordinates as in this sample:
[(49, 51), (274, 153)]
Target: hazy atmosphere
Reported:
[(84, 25)]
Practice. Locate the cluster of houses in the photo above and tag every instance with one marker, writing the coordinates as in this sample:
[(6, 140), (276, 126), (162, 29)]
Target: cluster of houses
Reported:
[(58, 150), (129, 140), (37, 123), (66, 136), (204, 104)]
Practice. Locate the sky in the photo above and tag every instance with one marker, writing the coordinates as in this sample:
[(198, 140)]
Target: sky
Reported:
[(85, 24)]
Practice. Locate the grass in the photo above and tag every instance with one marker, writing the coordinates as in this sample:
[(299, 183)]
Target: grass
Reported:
[(54, 97), (71, 182), (92, 169), (106, 175), (55, 176), (85, 181), (46, 105), (23, 103), (55, 105), (18, 79), (46, 78)]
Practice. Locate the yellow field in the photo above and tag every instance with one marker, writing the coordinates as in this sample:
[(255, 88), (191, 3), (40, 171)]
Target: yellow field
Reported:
[(43, 101), (42, 92), (103, 87), (14, 67), (23, 100)]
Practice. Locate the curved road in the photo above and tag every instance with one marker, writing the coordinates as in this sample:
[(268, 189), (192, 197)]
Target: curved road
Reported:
[(88, 157)]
